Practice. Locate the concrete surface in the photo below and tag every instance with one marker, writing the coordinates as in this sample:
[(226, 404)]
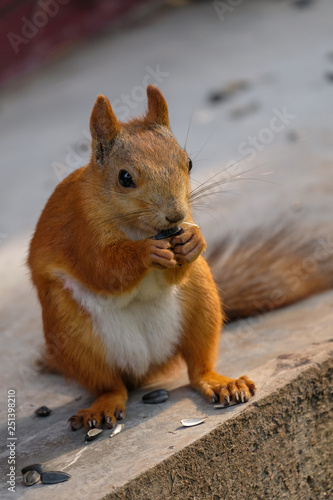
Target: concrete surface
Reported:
[(280, 446), (284, 54), (291, 341)]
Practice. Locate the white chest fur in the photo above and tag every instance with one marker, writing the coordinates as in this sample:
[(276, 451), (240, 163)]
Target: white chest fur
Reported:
[(138, 328)]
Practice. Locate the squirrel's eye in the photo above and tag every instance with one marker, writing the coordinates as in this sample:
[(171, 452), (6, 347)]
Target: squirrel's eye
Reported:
[(190, 165), (125, 179)]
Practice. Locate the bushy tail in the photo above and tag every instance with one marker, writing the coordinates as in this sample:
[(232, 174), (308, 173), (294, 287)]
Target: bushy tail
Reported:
[(272, 267)]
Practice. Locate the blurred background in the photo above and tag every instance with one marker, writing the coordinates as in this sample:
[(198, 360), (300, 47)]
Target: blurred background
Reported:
[(249, 81)]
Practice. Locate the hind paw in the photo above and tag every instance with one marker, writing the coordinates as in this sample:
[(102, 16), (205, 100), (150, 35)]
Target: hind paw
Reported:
[(225, 390)]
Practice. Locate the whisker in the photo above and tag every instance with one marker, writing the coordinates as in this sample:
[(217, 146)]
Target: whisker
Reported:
[(212, 213), (204, 192), (201, 205), (148, 222), (220, 172), (134, 213), (208, 185), (224, 180), (204, 145), (256, 179), (204, 195), (188, 129), (204, 159)]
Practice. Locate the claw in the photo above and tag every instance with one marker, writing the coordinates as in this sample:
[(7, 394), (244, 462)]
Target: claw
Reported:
[(94, 422), (119, 414), (74, 424), (109, 423), (252, 389), (213, 399), (236, 397), (227, 400), (242, 395), (89, 424)]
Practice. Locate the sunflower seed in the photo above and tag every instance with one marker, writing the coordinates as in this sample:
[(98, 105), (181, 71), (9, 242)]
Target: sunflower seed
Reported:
[(43, 411), (156, 397), (167, 233), (54, 477), (31, 477)]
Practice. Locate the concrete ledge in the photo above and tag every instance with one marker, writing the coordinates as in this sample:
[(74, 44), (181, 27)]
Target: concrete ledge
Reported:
[(281, 446)]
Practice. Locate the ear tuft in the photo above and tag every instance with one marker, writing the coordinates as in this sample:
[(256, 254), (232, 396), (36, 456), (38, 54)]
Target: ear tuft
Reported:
[(104, 125), (157, 107)]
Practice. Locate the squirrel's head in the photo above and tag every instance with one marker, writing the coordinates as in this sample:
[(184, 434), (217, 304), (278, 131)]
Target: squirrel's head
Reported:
[(143, 172)]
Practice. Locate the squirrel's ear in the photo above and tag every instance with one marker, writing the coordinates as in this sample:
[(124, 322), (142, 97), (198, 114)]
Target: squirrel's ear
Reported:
[(157, 107), (104, 127)]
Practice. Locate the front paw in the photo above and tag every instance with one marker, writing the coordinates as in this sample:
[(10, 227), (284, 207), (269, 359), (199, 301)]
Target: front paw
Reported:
[(160, 254), (188, 245), (218, 388)]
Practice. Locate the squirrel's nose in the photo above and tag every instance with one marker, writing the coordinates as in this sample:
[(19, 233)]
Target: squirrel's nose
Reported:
[(176, 216), (174, 220), (175, 211)]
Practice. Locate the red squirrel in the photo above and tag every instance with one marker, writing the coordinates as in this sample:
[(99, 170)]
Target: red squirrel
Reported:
[(119, 306)]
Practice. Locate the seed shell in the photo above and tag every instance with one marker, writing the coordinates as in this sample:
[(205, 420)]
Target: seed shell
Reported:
[(156, 397), (117, 429), (43, 411), (93, 434), (54, 477), (31, 477), (36, 467), (191, 422)]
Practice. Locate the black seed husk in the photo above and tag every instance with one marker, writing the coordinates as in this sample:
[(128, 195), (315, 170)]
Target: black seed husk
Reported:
[(36, 467), (43, 411), (167, 233), (156, 397), (93, 434), (54, 477)]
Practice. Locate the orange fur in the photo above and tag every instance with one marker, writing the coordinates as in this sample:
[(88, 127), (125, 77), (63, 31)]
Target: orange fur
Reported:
[(96, 234)]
